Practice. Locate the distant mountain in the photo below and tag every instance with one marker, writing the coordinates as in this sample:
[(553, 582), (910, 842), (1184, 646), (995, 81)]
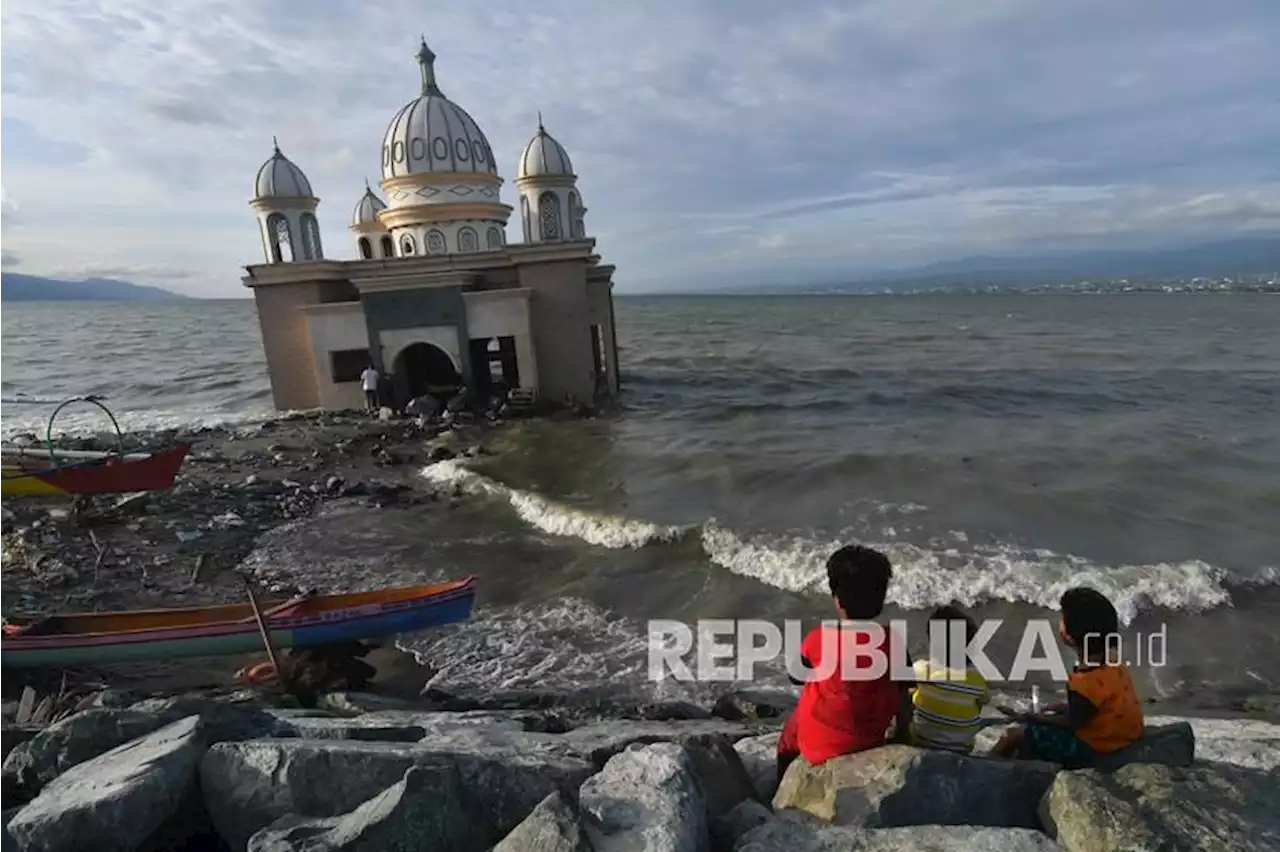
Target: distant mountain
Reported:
[(33, 288)]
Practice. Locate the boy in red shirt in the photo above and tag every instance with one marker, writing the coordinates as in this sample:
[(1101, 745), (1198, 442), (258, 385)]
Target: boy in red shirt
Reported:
[(841, 709)]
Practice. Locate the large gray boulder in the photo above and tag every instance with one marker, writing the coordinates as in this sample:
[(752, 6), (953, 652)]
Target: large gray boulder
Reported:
[(756, 705), (741, 819), (555, 825), (249, 785), (600, 742), (1248, 743), (897, 785), (646, 799), (760, 757), (92, 732), (1170, 745), (1205, 808), (75, 739), (423, 810), (789, 836), (116, 800)]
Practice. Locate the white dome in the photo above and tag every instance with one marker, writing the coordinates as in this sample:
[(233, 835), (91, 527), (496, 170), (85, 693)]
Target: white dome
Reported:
[(280, 178), (366, 212), (433, 134), (544, 156)]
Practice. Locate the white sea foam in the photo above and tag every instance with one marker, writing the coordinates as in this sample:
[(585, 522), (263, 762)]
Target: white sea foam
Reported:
[(562, 647), (85, 421), (554, 517), (950, 571), (926, 577)]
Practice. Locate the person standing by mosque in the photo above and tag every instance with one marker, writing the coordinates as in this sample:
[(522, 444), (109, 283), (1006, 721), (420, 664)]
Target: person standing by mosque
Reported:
[(369, 383)]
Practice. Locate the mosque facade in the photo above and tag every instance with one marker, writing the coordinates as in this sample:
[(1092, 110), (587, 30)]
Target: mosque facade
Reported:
[(435, 298)]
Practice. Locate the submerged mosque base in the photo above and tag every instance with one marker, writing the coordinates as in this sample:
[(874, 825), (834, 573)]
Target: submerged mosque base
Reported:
[(437, 299), (538, 317)]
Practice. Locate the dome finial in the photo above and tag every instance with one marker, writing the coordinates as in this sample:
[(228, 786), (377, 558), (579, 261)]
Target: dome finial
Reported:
[(275, 144), (541, 129), (426, 61)]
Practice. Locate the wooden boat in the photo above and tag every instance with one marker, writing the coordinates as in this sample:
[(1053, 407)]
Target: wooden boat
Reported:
[(24, 473), (100, 638), (48, 471)]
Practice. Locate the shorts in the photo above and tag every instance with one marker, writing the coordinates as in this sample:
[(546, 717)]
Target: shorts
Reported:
[(1056, 745)]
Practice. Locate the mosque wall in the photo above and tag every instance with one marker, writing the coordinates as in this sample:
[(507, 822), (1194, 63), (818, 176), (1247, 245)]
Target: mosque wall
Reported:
[(336, 331), (434, 238), (286, 342), (561, 314), (421, 308)]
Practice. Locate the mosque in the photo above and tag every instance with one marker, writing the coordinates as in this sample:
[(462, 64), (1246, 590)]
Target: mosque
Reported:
[(436, 298)]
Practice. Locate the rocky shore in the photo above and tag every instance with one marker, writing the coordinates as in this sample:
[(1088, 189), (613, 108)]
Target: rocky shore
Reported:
[(245, 771), (176, 756), (185, 546)]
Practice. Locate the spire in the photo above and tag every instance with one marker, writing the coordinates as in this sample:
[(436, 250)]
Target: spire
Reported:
[(275, 145), (427, 61), (541, 129)]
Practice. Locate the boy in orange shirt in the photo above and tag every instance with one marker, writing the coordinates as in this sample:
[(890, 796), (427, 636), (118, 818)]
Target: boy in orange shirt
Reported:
[(1102, 712), (836, 716)]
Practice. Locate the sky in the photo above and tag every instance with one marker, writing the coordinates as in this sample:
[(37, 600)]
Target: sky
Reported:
[(716, 141)]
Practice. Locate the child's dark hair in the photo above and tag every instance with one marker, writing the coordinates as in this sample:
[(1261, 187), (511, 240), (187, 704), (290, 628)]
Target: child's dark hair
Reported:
[(955, 613), (859, 579), (1090, 621), (949, 614)]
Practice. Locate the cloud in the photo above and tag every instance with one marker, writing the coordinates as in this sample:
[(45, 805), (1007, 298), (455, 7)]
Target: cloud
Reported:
[(710, 138), (9, 260)]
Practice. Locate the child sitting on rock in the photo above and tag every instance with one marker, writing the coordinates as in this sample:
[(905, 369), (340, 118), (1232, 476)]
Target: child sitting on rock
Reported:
[(846, 706), (1102, 713), (948, 701)]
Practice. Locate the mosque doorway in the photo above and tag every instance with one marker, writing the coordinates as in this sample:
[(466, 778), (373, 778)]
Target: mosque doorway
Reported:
[(423, 368)]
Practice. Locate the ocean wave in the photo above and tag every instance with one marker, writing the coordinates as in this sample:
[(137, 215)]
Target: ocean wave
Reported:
[(951, 571), (557, 518), (926, 577)]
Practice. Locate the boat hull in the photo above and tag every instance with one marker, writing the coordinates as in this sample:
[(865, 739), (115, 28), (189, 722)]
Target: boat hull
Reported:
[(297, 628), (110, 475)]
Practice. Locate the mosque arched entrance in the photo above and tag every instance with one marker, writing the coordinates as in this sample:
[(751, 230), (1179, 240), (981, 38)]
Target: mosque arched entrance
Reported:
[(424, 368)]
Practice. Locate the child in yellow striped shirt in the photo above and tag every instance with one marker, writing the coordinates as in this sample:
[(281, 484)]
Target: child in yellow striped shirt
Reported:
[(947, 703)]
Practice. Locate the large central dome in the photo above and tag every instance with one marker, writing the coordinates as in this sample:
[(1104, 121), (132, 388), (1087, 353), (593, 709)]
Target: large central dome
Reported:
[(433, 134)]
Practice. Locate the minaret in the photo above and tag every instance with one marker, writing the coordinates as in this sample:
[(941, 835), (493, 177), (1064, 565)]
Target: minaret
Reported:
[(550, 207), (373, 240), (285, 206)]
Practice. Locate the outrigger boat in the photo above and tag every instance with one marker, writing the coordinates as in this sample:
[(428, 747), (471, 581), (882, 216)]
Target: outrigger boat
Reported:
[(47, 471), (86, 639)]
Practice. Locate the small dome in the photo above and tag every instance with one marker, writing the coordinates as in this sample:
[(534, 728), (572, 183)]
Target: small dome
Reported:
[(433, 134), (280, 178), (366, 212), (544, 156)]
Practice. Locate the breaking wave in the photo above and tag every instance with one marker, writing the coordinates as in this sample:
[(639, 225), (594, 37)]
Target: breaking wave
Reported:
[(923, 577)]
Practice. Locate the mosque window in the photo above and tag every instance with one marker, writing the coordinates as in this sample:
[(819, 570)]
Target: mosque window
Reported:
[(281, 238), (524, 219), (388, 247), (435, 242), (549, 216), (366, 250), (494, 238), (468, 241), (406, 245), (310, 237)]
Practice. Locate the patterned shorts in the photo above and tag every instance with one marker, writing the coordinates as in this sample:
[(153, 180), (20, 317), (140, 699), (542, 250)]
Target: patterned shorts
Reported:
[(1056, 745)]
